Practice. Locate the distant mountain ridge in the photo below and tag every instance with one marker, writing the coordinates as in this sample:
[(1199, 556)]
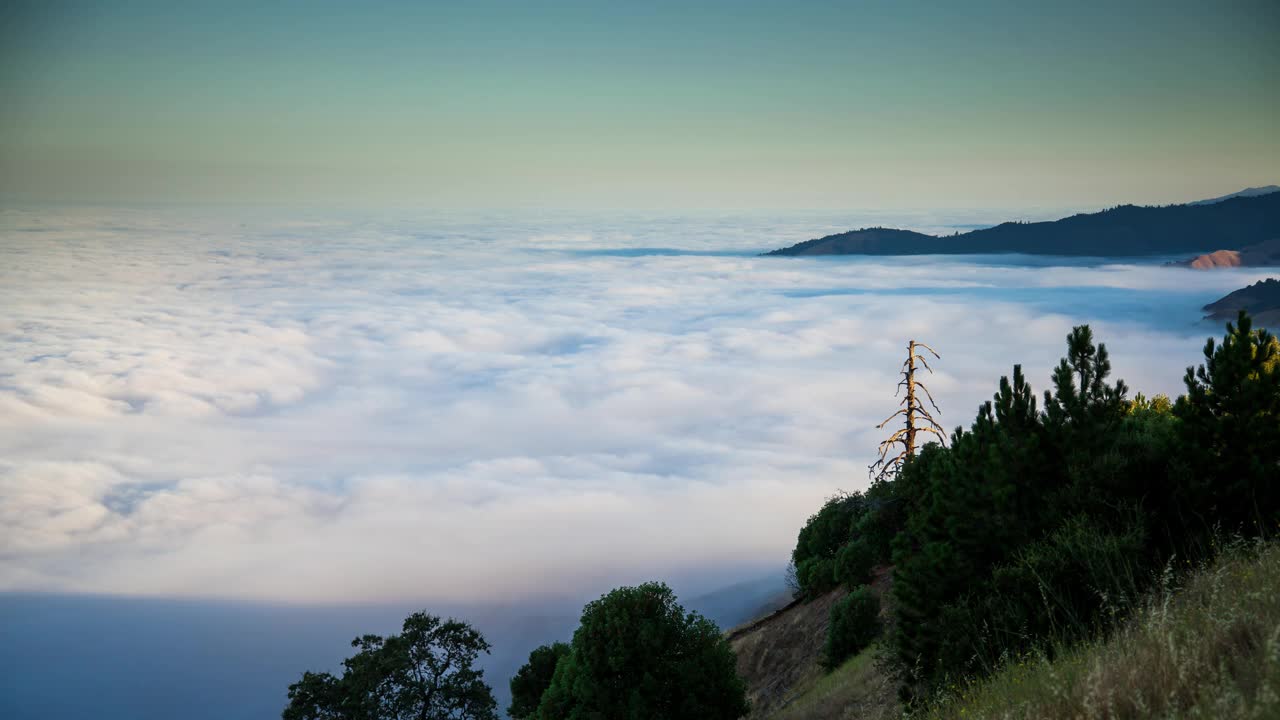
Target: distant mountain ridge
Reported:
[(1247, 192), (1127, 230)]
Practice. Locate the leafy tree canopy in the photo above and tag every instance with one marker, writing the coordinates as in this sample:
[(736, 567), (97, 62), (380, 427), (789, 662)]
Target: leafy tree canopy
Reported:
[(637, 655), (424, 673), (533, 679)]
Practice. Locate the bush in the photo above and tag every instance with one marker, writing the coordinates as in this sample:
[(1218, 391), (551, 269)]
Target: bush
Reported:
[(855, 622), (816, 576), (853, 564), (821, 538)]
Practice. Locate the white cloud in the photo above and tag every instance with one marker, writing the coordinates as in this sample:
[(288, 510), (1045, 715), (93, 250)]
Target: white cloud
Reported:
[(341, 409)]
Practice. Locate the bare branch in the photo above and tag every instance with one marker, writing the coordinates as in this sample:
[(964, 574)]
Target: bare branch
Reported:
[(928, 395), (926, 347), (903, 411)]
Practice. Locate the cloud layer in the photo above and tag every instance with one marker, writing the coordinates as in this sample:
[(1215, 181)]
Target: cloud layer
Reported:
[(314, 408)]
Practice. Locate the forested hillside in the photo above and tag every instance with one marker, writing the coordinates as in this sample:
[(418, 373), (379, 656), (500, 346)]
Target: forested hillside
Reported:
[(1049, 519)]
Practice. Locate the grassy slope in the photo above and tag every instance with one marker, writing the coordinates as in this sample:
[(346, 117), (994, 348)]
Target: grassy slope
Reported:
[(1209, 650), (780, 653), (856, 689), (780, 656)]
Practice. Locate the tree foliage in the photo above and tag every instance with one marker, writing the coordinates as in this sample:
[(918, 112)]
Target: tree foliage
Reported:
[(637, 655), (1044, 519), (821, 539), (425, 673), (855, 623), (1230, 427), (533, 679)]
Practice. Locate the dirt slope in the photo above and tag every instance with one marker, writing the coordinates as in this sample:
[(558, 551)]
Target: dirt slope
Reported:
[(779, 657)]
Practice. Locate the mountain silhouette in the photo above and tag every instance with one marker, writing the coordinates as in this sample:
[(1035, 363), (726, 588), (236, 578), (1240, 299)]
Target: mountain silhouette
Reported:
[(1126, 230), (1247, 192)]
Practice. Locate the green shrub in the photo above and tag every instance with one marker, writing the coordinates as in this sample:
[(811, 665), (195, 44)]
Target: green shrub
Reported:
[(855, 622), (821, 538), (853, 564), (816, 576)]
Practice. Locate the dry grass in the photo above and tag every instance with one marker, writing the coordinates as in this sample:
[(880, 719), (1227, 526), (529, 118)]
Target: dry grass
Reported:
[(782, 652), (1209, 650), (856, 690), (780, 658)]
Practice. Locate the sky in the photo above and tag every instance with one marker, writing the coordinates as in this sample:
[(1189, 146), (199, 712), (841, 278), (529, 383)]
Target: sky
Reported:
[(904, 104)]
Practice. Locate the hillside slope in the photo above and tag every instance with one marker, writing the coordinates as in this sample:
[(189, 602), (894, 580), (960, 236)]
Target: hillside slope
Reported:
[(1128, 230), (1261, 300), (1209, 650), (1265, 254), (779, 657), (877, 241)]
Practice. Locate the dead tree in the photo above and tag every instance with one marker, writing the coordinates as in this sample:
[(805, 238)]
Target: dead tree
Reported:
[(915, 417)]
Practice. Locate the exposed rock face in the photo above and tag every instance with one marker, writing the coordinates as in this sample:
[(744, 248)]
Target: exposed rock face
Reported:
[(1217, 259), (1264, 254)]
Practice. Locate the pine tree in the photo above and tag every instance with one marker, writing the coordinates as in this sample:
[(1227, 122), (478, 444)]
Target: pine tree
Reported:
[(1231, 431)]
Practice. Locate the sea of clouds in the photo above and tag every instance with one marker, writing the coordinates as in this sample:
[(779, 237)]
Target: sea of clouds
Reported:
[(322, 407)]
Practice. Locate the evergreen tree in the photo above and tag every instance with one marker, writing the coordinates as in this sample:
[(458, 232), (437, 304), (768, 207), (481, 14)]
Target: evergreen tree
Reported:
[(982, 501), (1231, 432)]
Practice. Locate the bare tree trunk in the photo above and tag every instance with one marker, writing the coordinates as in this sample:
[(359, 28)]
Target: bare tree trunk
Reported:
[(915, 417)]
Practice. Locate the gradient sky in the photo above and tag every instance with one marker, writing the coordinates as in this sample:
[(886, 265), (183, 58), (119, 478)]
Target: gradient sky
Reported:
[(625, 104)]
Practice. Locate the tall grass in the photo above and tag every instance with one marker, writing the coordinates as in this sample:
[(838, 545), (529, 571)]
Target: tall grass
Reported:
[(1207, 649)]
